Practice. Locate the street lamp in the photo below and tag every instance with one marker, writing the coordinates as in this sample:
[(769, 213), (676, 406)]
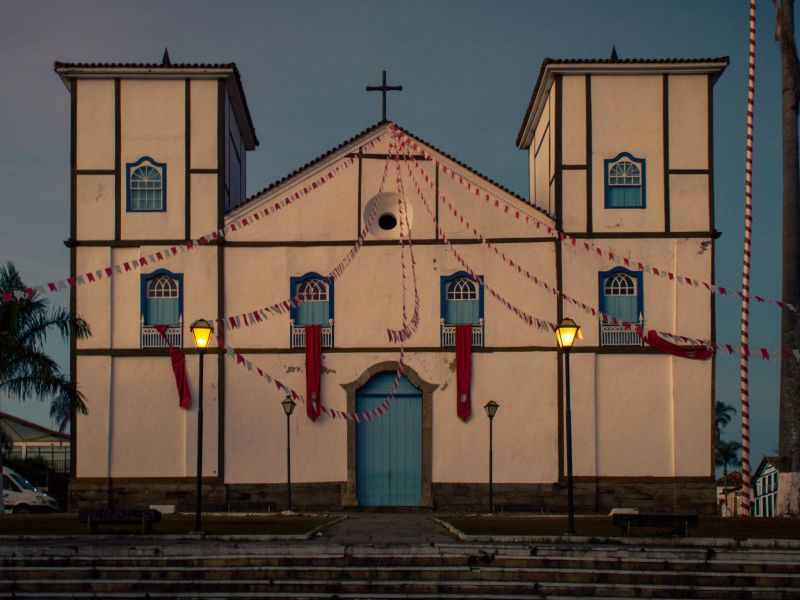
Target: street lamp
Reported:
[(566, 333), (201, 330), (288, 407), (491, 409)]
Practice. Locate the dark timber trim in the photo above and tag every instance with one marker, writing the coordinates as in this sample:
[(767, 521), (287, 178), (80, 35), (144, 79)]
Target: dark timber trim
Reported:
[(610, 235), (574, 167), (126, 243), (436, 191), (559, 256), (117, 160), (188, 158), (360, 192), (688, 171), (425, 242), (95, 172), (665, 138), (589, 198), (204, 171), (158, 352), (73, 229), (221, 176)]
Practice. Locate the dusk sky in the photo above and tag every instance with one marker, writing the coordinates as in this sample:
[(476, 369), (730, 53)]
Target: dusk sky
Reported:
[(467, 71)]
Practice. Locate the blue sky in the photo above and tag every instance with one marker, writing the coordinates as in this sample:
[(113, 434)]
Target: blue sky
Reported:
[(467, 69)]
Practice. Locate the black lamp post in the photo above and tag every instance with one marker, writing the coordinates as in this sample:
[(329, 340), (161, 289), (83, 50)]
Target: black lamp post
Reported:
[(201, 330), (566, 333), (491, 409), (288, 407)]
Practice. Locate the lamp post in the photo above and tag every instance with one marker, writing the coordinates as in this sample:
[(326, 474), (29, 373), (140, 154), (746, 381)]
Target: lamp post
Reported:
[(201, 330), (288, 407), (566, 333), (491, 409)]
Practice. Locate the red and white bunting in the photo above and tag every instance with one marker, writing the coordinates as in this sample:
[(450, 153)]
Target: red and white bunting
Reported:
[(588, 247), (203, 240)]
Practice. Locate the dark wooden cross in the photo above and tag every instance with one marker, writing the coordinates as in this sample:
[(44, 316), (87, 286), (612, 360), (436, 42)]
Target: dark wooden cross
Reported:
[(383, 88)]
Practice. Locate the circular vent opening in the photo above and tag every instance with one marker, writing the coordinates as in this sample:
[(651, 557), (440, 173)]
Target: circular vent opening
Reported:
[(387, 222)]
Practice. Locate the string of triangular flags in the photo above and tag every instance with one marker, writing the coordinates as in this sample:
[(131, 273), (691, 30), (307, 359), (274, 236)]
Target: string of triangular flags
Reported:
[(409, 327), (259, 315), (588, 247), (203, 240), (541, 324), (357, 417)]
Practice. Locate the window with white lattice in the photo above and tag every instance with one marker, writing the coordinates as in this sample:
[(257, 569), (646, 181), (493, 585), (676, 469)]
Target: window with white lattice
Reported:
[(625, 181)]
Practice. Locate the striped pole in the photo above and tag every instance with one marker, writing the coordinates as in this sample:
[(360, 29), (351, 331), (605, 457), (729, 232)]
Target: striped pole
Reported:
[(748, 231)]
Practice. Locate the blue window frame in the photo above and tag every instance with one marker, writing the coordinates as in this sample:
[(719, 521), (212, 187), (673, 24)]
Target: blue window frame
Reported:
[(147, 185), (625, 181), (162, 298), (621, 294), (461, 299), (315, 293)]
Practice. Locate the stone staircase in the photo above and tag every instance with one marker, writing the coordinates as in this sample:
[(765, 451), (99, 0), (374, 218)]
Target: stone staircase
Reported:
[(124, 568)]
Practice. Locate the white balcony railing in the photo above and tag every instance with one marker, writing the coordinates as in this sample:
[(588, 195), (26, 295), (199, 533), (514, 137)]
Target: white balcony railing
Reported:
[(449, 334), (151, 338), (298, 335), (618, 335)]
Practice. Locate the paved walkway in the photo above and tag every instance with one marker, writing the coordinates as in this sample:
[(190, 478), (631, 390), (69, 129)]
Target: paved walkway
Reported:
[(386, 528)]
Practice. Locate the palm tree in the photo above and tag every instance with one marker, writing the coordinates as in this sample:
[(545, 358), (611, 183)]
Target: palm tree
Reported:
[(25, 370), (723, 413), (726, 454)]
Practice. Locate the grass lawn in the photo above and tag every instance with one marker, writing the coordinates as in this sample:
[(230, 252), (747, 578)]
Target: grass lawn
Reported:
[(601, 526), (67, 524)]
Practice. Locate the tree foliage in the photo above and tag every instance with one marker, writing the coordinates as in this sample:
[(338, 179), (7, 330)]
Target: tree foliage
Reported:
[(26, 371)]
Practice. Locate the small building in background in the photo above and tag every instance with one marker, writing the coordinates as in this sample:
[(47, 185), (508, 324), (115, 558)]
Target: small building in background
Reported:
[(765, 487), (729, 496), (31, 440)]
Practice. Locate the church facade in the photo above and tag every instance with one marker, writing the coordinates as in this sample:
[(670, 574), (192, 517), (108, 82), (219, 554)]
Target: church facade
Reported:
[(392, 291)]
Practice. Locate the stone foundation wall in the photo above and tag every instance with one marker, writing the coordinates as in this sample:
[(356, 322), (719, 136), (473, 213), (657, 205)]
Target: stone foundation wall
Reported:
[(592, 496)]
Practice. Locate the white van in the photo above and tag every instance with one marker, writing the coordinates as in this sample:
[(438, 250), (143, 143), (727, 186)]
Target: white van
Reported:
[(19, 496)]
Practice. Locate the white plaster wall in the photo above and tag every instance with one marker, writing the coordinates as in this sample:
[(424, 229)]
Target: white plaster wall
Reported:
[(689, 204), (93, 299), (95, 206), (634, 416), (574, 197), (573, 128), (693, 417), (153, 124), (368, 297), (583, 398), (524, 428), (688, 122), (204, 204), (152, 435), (199, 271), (95, 125), (93, 378), (540, 153), (627, 117), (693, 308), (204, 124)]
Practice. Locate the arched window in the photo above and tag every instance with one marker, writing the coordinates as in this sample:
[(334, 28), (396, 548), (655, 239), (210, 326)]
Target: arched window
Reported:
[(625, 181), (620, 295), (161, 298), (315, 296), (462, 300), (146, 185)]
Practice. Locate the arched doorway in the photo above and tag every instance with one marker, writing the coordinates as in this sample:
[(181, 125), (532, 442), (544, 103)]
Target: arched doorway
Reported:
[(389, 449), (364, 391)]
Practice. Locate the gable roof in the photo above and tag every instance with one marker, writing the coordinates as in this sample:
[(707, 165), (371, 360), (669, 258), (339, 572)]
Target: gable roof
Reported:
[(775, 461), (68, 71), (354, 141), (20, 430), (612, 66)]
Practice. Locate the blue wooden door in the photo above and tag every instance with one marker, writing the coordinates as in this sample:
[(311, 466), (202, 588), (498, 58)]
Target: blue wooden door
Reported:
[(389, 449)]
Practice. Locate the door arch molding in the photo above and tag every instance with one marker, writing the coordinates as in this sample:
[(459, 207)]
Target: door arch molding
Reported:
[(349, 497)]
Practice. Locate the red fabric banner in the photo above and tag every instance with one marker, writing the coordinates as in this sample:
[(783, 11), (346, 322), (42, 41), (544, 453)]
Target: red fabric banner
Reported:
[(694, 352), (313, 370), (178, 360), (463, 370)]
